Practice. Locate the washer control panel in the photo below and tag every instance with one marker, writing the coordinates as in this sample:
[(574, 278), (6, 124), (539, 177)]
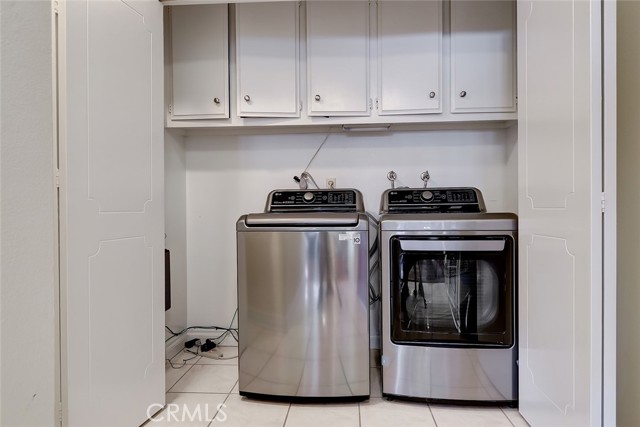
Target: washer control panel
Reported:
[(315, 200), (434, 200)]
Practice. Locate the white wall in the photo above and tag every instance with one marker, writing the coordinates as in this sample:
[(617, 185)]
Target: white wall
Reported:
[(27, 216), (628, 146), (228, 176), (175, 227)]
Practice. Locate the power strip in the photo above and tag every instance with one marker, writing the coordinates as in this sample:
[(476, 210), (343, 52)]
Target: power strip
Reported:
[(211, 354)]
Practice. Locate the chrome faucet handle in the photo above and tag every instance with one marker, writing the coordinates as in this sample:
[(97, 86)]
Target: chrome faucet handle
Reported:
[(424, 176), (392, 176), (302, 182), (306, 176)]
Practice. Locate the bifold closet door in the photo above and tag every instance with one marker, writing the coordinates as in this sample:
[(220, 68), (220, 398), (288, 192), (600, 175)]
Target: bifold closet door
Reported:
[(560, 149), (111, 211)]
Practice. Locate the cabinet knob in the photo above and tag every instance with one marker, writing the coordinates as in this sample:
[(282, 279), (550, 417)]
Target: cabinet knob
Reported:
[(216, 100), (317, 97), (463, 94), (432, 95), (247, 98)]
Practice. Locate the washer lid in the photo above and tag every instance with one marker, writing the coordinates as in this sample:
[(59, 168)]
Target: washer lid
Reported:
[(303, 219)]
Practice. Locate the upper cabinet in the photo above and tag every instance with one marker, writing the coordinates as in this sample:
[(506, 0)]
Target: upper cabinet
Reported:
[(483, 56), (341, 62), (338, 58), (409, 57), (199, 62), (267, 58)]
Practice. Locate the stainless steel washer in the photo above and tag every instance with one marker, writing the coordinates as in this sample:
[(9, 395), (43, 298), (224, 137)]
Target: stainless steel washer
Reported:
[(448, 297), (303, 299)]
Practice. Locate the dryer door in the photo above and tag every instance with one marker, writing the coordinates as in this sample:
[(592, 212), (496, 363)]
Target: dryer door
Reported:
[(452, 290)]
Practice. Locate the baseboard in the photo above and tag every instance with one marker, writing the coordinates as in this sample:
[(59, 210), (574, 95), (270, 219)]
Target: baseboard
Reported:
[(174, 345)]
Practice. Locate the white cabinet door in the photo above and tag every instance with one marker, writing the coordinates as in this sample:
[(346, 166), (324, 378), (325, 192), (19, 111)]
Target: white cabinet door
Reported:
[(560, 219), (409, 57), (267, 59), (200, 62), (337, 58), (483, 56), (111, 211)]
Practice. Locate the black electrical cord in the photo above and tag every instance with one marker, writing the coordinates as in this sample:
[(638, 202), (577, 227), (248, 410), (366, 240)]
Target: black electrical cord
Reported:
[(374, 247), (229, 330), (374, 296), (184, 361)]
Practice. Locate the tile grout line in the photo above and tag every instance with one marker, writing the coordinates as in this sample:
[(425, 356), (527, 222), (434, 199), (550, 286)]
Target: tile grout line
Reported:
[(286, 417), (193, 392), (359, 416), (223, 405), (505, 414), (178, 380), (433, 417), (200, 367)]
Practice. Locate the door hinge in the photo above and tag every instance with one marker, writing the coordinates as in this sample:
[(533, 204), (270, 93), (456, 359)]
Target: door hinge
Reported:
[(603, 202), (169, 108), (370, 104), (56, 178), (377, 104), (300, 105)]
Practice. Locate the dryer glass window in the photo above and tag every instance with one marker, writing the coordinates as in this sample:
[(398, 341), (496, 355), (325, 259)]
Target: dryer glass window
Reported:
[(452, 290)]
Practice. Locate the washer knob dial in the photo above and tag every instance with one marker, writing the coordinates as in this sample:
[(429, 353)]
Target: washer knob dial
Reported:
[(427, 196), (308, 196)]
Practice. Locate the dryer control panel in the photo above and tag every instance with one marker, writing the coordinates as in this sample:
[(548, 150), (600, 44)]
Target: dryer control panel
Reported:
[(432, 200)]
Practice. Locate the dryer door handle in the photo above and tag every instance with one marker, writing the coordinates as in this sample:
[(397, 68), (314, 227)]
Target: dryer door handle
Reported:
[(453, 245)]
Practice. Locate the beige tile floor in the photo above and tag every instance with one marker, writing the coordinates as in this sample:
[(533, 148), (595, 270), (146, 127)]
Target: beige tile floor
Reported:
[(204, 393)]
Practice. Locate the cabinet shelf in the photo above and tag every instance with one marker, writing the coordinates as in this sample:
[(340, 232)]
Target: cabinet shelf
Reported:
[(315, 124)]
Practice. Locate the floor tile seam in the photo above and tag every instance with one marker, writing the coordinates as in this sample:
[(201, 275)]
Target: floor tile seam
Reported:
[(213, 364), (181, 376), (433, 417), (286, 417), (197, 392), (223, 405), (183, 363), (203, 392), (508, 418), (501, 410), (196, 357)]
